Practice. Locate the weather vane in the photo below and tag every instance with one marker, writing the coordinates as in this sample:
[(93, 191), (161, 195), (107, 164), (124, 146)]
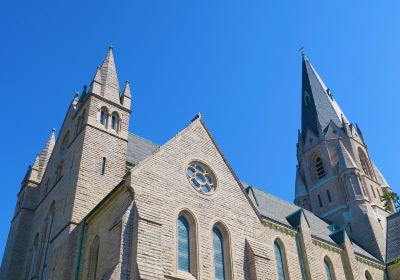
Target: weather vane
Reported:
[(301, 50)]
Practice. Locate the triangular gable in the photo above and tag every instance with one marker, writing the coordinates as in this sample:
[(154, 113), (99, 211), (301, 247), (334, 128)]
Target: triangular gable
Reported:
[(198, 120)]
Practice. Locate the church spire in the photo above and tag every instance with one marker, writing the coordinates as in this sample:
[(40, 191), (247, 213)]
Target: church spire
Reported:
[(318, 104), (105, 81), (41, 160)]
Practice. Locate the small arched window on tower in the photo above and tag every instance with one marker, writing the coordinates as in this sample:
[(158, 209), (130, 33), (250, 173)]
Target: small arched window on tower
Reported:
[(104, 116), (64, 142), (368, 275), (365, 163), (319, 167), (58, 173), (115, 121)]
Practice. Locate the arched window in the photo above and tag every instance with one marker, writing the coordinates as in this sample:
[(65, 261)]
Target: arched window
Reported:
[(32, 264), (94, 258), (221, 252), (104, 116), (319, 167), (328, 269), (183, 244), (186, 241), (280, 261), (368, 275), (47, 230), (365, 163), (219, 256), (58, 174), (114, 121), (64, 142)]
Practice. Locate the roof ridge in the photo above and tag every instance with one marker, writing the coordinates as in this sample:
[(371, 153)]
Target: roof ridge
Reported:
[(274, 196)]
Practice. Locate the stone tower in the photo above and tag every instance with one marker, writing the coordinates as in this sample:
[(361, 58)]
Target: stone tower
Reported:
[(68, 179), (335, 177)]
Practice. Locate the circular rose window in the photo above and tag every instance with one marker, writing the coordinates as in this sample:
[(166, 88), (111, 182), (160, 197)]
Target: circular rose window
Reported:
[(201, 177)]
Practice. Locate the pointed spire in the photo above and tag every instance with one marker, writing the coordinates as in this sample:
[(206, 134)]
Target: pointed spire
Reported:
[(346, 161), (97, 76), (105, 81), (45, 154), (36, 171), (318, 104), (127, 90)]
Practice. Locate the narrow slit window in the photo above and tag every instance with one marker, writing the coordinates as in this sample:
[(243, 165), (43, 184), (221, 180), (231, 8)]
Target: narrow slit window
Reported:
[(319, 201), (103, 166), (329, 195), (373, 192)]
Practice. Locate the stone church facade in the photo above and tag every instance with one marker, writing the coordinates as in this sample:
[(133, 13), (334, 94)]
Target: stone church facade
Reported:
[(102, 203)]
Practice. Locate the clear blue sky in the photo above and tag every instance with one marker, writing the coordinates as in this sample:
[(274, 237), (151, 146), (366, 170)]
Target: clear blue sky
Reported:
[(237, 62)]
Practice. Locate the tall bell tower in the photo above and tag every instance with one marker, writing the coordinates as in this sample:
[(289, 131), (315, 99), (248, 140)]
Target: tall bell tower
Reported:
[(335, 176)]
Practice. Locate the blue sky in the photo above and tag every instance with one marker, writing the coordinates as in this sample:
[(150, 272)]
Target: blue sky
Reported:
[(237, 62)]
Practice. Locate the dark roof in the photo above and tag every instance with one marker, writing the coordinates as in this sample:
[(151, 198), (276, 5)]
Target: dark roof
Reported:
[(393, 237), (318, 105), (139, 149), (276, 209)]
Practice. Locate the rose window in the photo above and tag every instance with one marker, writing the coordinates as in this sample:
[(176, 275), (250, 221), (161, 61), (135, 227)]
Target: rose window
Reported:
[(201, 177)]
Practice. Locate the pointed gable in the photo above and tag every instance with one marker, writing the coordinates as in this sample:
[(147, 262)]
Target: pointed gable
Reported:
[(318, 104), (346, 161)]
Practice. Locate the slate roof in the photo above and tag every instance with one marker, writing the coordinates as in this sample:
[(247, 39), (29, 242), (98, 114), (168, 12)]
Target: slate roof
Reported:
[(276, 209), (139, 149), (393, 237), (321, 107)]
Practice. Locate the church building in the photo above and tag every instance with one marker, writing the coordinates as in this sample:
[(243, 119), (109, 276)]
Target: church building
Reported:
[(102, 203)]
